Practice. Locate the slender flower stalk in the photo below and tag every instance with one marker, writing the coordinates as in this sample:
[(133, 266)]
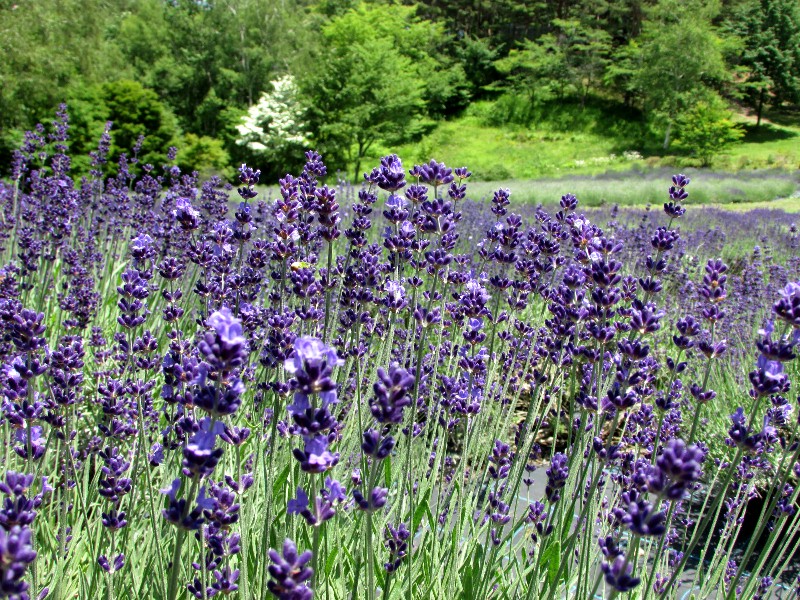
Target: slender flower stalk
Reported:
[(386, 374)]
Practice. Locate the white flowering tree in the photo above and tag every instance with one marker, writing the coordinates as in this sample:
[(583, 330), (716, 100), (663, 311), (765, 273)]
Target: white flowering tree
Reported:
[(275, 128)]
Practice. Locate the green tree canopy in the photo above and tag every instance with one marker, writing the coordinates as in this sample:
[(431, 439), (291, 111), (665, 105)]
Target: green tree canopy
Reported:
[(680, 57), (197, 56), (769, 31), (570, 60), (48, 48), (707, 128), (373, 77), (133, 110)]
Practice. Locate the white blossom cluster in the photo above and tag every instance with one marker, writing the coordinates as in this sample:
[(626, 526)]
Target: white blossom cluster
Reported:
[(276, 122)]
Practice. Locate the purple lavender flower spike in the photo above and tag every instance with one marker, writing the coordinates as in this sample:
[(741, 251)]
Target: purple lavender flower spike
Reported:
[(16, 554), (557, 474), (16, 484), (225, 581), (31, 445), (300, 404), (249, 178), (377, 499), (396, 541), (186, 215), (200, 457), (680, 465), (787, 308), (226, 347), (618, 574), (289, 573), (312, 363), (376, 446), (637, 514), (111, 566), (299, 504), (315, 457), (391, 175), (314, 166), (141, 248), (178, 514), (433, 173), (391, 394), (334, 491)]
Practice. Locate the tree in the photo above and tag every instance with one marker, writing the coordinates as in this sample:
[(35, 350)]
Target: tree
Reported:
[(570, 60), (136, 111), (203, 154), (206, 60), (199, 56), (49, 48), (681, 57), (707, 128), (360, 96), (275, 129), (585, 51), (769, 31), (477, 58), (499, 22), (537, 68), (371, 79), (622, 71)]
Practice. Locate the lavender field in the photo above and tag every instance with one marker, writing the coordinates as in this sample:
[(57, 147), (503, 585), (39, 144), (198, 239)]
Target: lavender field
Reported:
[(333, 391)]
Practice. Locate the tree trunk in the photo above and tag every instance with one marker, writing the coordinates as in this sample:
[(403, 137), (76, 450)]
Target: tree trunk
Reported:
[(760, 107), (666, 135)]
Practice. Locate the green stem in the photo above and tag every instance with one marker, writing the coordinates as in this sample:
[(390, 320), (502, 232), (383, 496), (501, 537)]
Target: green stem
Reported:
[(175, 567), (328, 293)]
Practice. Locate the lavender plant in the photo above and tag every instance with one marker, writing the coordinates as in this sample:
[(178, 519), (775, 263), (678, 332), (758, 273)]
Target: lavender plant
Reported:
[(452, 399)]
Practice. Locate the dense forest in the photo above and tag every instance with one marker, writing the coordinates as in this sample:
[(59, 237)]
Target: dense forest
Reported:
[(229, 81)]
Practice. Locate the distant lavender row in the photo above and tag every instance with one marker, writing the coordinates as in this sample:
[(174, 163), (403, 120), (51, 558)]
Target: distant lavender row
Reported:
[(344, 394)]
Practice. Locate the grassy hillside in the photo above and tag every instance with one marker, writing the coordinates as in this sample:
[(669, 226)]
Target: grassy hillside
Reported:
[(566, 139)]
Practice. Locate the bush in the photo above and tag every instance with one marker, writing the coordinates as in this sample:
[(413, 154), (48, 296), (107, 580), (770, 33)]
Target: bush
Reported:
[(511, 109), (274, 131), (493, 173), (707, 128), (136, 112), (204, 155)]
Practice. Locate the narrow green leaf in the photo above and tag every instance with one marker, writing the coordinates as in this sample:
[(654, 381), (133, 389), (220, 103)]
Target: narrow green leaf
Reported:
[(387, 472), (420, 511), (550, 560), (331, 560), (280, 480)]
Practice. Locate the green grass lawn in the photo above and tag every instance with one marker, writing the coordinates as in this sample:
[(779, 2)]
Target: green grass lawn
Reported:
[(519, 152), (499, 153), (770, 145)]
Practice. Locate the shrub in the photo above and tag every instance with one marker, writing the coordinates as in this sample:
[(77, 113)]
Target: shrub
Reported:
[(274, 130), (204, 155), (707, 128)]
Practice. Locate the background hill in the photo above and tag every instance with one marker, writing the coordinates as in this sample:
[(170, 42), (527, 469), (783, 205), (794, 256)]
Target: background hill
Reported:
[(512, 89)]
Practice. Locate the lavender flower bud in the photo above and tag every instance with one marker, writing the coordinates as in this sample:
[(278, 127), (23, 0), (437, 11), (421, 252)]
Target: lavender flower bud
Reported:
[(289, 573), (618, 574), (557, 475)]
